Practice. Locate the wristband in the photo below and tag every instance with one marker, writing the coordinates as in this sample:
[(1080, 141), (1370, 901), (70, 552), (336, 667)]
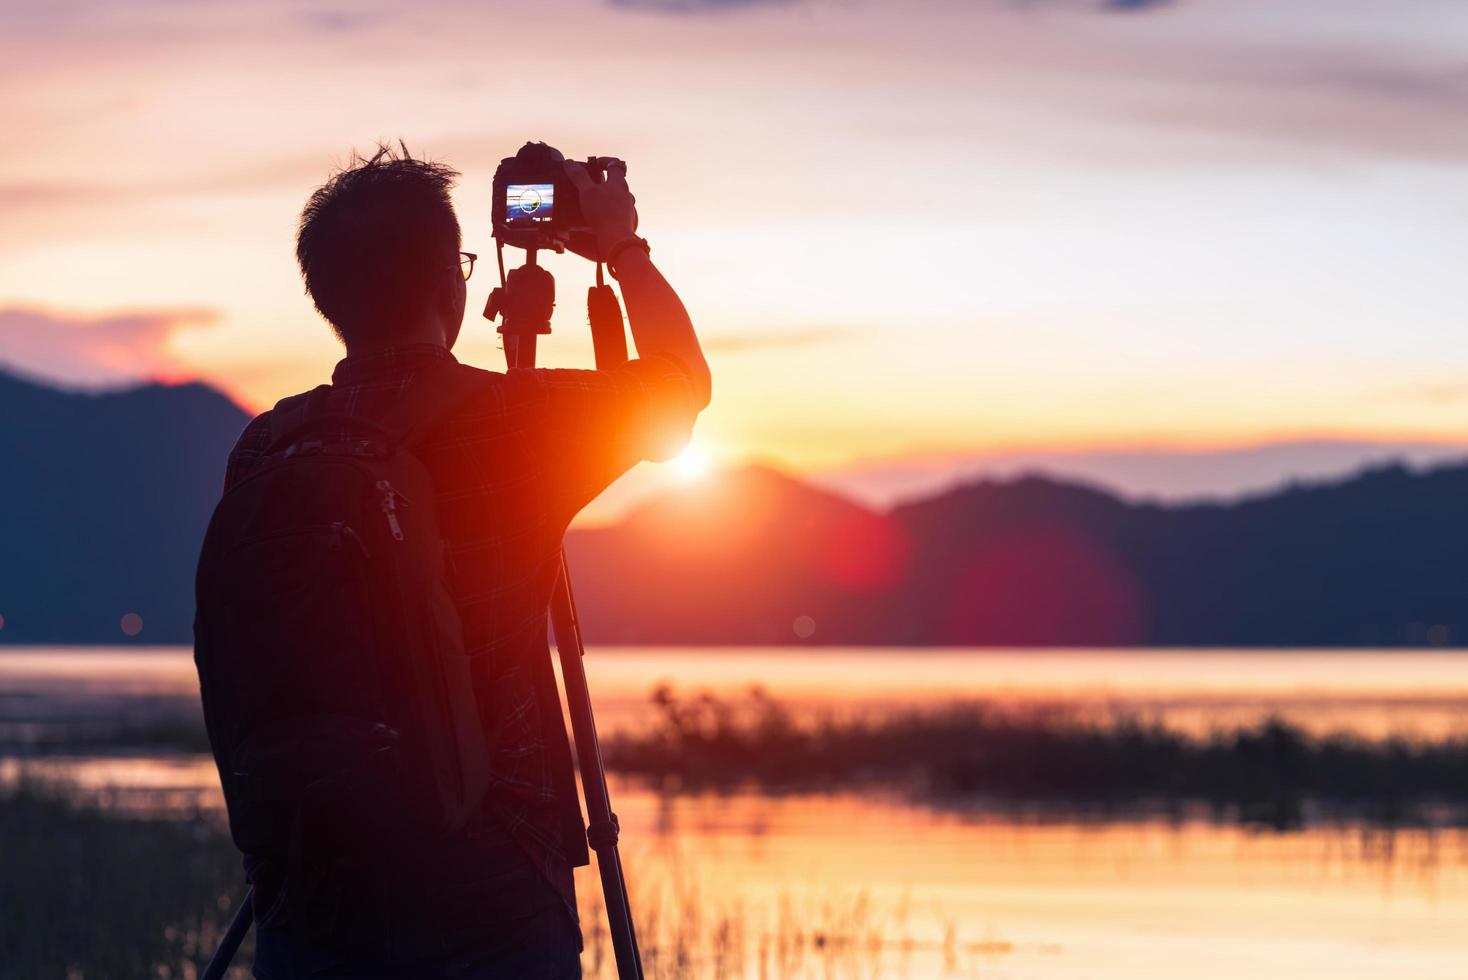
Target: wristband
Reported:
[(617, 249)]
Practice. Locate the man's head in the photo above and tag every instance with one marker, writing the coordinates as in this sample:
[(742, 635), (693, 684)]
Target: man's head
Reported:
[(378, 248)]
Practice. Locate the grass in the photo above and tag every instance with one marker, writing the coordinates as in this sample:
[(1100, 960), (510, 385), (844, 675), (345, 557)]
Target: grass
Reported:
[(90, 893), (686, 933), (143, 732), (1270, 772)]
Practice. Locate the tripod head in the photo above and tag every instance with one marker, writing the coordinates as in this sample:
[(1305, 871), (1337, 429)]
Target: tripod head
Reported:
[(524, 301)]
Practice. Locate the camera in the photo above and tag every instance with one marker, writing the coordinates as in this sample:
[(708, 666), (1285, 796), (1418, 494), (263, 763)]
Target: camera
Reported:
[(536, 205)]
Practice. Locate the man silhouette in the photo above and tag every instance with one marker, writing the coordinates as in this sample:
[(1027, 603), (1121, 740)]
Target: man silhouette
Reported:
[(378, 248)]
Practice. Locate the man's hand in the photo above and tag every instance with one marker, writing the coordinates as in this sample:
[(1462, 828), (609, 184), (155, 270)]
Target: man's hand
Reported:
[(659, 322), (608, 206)]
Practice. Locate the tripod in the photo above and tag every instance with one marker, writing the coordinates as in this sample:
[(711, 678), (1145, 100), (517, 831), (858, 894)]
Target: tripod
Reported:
[(524, 301)]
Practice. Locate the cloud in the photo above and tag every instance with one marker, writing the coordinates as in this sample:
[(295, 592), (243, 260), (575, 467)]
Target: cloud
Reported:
[(54, 194), (1131, 5), (756, 340), (719, 6), (697, 6), (1446, 393), (265, 175), (342, 20), (94, 351)]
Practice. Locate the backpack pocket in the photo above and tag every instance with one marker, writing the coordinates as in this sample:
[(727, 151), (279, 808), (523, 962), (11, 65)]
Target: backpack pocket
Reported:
[(315, 783)]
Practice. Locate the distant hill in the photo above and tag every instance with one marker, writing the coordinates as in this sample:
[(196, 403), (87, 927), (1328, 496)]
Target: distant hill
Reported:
[(103, 501), (737, 559), (1166, 475), (105, 497), (1372, 560)]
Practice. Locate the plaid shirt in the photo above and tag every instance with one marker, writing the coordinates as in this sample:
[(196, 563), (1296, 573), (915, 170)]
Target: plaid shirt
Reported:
[(511, 468)]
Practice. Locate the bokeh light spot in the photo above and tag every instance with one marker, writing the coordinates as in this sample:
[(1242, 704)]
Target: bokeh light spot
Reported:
[(804, 627), (132, 624)]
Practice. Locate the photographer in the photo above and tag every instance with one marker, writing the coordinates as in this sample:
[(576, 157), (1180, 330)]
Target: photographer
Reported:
[(512, 457)]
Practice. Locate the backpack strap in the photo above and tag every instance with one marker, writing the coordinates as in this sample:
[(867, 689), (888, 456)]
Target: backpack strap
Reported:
[(289, 415), (425, 405), (295, 416)]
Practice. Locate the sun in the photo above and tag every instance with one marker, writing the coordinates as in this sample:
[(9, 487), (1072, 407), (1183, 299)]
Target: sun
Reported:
[(692, 464)]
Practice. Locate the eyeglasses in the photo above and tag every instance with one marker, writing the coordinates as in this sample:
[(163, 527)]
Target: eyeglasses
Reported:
[(466, 264)]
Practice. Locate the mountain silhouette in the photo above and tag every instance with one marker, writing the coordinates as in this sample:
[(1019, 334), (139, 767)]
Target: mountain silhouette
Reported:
[(105, 498), (103, 502), (736, 559), (1370, 560)]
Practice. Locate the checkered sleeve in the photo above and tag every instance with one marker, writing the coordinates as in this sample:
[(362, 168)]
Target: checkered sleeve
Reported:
[(601, 423)]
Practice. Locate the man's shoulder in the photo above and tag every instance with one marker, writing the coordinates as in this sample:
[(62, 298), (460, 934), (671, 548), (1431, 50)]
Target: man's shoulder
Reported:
[(248, 448), (254, 437), (479, 391)]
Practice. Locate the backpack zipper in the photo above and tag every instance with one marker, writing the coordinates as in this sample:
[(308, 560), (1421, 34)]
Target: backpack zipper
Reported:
[(390, 498), (340, 530)]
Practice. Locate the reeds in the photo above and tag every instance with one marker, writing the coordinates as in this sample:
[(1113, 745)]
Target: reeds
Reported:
[(687, 932), (87, 893), (91, 893), (1268, 772)]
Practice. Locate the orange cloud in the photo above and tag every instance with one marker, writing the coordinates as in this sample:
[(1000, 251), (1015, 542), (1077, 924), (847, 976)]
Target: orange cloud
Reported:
[(90, 351), (758, 340)]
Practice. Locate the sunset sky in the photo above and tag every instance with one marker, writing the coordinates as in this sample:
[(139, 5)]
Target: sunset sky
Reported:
[(907, 231)]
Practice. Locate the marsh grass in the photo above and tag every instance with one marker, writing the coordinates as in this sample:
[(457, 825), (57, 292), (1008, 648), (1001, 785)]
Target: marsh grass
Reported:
[(91, 893), (1272, 772), (687, 932), (127, 888), (88, 892)]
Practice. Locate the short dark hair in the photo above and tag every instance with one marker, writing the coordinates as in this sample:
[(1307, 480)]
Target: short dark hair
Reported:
[(372, 239)]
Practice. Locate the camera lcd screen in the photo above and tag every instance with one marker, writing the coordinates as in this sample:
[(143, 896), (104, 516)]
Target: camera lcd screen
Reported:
[(527, 204)]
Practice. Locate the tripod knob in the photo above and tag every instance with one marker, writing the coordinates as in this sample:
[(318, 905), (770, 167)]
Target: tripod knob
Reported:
[(496, 303), (526, 301)]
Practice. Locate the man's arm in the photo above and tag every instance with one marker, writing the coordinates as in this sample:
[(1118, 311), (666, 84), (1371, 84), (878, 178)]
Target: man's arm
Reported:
[(660, 324)]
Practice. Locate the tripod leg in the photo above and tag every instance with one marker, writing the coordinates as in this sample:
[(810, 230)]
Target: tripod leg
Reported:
[(233, 936), (602, 824)]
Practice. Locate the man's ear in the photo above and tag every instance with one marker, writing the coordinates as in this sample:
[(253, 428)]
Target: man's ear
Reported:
[(450, 302)]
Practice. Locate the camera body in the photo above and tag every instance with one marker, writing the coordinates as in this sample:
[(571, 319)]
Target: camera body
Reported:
[(535, 203)]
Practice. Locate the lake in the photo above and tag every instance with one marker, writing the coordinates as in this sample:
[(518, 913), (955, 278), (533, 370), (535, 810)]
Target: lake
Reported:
[(835, 885)]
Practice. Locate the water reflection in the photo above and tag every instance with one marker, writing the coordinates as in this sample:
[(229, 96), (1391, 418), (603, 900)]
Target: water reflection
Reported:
[(924, 893), (806, 885), (743, 884), (1370, 692)]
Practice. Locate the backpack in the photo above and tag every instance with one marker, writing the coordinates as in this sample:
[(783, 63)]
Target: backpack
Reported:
[(337, 692)]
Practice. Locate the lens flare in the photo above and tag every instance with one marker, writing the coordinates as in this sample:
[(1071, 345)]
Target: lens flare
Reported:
[(692, 464)]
